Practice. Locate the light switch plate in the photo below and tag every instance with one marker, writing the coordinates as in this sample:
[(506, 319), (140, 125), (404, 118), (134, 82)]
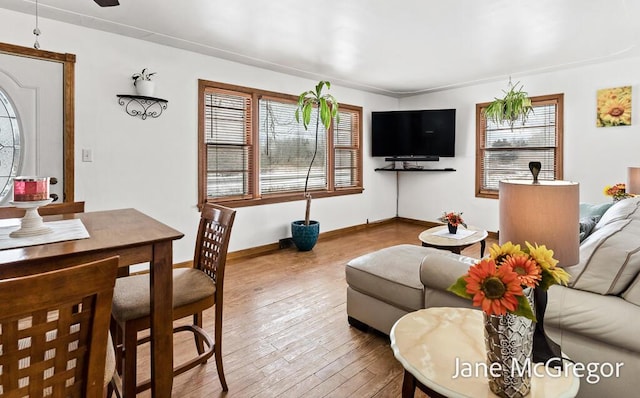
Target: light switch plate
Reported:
[(87, 155)]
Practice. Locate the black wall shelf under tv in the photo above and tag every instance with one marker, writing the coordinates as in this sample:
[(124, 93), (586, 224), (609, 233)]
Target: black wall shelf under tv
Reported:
[(411, 169), (412, 159)]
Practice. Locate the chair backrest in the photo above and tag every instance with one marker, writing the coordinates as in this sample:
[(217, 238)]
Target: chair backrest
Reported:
[(53, 331), (212, 243), (51, 209)]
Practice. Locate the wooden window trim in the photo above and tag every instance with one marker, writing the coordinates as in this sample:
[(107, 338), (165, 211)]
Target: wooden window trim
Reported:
[(558, 100), (256, 198)]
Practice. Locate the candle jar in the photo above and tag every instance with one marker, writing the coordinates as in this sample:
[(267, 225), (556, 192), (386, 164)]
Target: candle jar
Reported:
[(29, 189)]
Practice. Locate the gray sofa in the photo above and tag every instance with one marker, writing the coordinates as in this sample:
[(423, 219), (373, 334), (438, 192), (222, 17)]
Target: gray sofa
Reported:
[(596, 319)]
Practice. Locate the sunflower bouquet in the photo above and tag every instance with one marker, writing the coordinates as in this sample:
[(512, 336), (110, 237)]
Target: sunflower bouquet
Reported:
[(617, 191), (496, 284)]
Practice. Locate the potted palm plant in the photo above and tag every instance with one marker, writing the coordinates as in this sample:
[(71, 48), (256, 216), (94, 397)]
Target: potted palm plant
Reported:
[(305, 232), (514, 105)]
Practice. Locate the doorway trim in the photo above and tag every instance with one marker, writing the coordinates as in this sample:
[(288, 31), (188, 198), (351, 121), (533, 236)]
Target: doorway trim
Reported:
[(68, 62)]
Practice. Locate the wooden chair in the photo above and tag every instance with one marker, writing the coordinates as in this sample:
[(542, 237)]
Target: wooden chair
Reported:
[(194, 290), (53, 331)]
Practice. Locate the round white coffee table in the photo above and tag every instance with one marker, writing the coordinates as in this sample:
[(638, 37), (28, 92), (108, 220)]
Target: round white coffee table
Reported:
[(435, 345), (440, 238)]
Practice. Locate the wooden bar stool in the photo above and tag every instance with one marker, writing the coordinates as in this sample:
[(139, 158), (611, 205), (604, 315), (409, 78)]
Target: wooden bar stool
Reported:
[(194, 290)]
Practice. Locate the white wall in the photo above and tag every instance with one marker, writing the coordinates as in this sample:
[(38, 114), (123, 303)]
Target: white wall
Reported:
[(593, 156), (151, 164)]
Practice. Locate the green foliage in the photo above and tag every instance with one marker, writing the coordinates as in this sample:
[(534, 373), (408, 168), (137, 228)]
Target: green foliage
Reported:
[(327, 107), (547, 280), (515, 104), (326, 104), (524, 309), (460, 288), (144, 75)]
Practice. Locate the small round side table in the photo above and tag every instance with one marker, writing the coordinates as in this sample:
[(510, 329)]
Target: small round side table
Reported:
[(431, 345), (440, 238)]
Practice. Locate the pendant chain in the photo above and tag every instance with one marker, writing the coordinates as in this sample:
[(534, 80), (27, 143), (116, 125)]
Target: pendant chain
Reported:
[(36, 31)]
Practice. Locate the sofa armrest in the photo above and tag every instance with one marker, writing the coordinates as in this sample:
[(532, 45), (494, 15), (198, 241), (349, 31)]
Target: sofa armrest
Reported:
[(440, 270)]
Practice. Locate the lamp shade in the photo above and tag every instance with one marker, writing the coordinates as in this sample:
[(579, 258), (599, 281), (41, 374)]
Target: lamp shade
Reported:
[(634, 180), (546, 213)]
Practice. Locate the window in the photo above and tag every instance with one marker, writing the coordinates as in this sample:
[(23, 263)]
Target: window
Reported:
[(252, 150), (9, 146), (505, 153)]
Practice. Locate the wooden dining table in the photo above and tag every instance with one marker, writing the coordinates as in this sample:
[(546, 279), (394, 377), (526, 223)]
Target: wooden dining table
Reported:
[(136, 238)]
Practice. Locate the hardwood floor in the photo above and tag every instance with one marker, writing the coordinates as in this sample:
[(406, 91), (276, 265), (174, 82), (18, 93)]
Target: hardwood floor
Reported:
[(285, 327)]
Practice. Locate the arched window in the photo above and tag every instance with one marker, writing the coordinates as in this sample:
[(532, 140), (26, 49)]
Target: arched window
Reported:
[(9, 146)]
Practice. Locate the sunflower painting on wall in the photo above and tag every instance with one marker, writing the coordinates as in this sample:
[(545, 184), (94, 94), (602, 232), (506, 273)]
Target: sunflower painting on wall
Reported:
[(614, 107)]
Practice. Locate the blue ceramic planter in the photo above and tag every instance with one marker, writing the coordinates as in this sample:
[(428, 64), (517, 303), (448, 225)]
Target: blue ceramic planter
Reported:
[(305, 236)]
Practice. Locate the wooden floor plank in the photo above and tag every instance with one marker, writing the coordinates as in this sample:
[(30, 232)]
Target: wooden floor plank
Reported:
[(285, 327)]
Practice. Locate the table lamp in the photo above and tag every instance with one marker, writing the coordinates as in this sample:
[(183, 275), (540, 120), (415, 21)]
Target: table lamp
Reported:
[(543, 212), (633, 186), (546, 213)]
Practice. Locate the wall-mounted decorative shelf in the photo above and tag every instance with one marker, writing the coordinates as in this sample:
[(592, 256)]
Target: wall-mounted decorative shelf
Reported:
[(139, 105)]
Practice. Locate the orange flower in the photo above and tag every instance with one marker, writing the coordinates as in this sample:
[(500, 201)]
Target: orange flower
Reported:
[(494, 289), (526, 268)]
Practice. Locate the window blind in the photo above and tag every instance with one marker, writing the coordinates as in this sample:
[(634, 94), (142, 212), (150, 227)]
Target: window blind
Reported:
[(506, 152), (227, 130), (253, 151), (286, 149), (346, 145)]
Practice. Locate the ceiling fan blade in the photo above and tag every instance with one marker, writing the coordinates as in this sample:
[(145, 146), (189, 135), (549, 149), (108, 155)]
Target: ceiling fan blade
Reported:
[(107, 3)]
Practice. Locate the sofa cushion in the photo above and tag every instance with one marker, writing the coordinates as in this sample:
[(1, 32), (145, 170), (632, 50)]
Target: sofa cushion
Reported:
[(607, 319), (391, 274), (632, 294), (620, 210), (609, 258)]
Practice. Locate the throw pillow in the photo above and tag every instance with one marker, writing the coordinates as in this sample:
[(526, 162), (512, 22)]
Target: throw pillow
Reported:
[(609, 259), (594, 210), (586, 226), (620, 210)]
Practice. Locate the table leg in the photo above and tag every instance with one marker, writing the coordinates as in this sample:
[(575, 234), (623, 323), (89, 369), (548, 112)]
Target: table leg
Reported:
[(408, 385), (161, 320)]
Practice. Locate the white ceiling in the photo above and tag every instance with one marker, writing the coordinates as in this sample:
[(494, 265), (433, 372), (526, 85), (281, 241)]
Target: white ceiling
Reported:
[(393, 47)]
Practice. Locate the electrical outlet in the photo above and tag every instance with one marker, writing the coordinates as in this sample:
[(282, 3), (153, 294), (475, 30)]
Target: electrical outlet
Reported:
[(87, 155)]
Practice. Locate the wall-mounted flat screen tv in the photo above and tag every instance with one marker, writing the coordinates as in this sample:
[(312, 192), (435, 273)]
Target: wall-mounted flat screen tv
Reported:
[(414, 133)]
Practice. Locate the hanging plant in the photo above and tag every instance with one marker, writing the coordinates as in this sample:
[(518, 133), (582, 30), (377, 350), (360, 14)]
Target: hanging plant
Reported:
[(516, 104)]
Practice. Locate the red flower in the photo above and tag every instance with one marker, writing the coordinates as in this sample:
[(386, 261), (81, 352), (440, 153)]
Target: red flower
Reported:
[(494, 289), (453, 218), (526, 268)]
